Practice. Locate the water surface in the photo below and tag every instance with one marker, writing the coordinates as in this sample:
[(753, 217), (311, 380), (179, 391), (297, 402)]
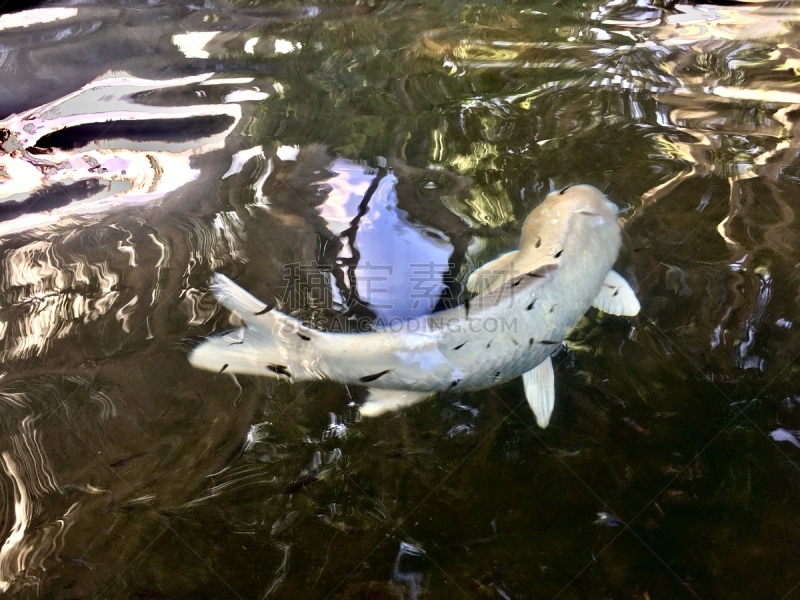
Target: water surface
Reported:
[(355, 161)]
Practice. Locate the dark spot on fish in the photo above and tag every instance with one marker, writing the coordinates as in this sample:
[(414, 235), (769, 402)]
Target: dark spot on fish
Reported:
[(374, 376), (516, 343), (538, 243), (497, 374), (225, 366), (545, 342), (489, 345), (461, 345), (303, 337), (517, 282), (587, 213), (552, 308), (263, 311), (454, 383), (530, 306), (615, 293), (466, 307), (530, 341), (558, 254), (561, 193), (537, 274), (237, 343), (280, 370)]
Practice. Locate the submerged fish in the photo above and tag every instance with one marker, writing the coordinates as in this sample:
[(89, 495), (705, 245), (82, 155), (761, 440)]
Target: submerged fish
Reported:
[(527, 302)]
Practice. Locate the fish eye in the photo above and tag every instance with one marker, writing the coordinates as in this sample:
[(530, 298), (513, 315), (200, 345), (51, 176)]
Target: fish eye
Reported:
[(561, 193)]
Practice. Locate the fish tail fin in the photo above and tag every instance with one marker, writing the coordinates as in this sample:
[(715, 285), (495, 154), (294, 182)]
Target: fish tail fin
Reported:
[(271, 343)]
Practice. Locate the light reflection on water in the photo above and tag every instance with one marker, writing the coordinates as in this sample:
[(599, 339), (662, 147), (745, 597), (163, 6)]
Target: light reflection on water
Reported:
[(378, 134)]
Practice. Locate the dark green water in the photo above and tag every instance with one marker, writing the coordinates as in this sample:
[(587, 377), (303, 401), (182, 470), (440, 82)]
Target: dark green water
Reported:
[(387, 137)]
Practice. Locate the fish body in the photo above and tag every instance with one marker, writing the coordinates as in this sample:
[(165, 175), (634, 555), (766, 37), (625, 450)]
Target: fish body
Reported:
[(527, 301)]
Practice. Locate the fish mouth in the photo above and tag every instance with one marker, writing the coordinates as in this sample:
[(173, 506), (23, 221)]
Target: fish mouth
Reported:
[(597, 214), (607, 210), (608, 207), (595, 219), (587, 200)]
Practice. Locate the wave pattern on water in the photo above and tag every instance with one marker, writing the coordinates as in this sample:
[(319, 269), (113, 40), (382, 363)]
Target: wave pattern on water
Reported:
[(298, 148)]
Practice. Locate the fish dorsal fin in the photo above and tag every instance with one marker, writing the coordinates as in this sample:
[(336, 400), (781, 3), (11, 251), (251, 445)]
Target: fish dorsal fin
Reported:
[(616, 296), (380, 401), (493, 274), (540, 391)]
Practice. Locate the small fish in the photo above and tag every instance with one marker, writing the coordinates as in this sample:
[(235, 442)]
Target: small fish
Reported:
[(527, 302), (301, 483)]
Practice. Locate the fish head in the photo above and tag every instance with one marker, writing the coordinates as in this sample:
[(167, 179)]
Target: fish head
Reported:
[(577, 224), (584, 200), (576, 209)]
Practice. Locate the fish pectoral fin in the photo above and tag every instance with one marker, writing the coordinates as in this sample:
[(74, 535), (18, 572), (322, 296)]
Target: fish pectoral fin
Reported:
[(380, 401), (540, 391), (616, 297), (493, 274)]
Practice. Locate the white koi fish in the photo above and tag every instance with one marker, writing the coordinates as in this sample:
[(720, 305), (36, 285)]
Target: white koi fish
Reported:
[(527, 302)]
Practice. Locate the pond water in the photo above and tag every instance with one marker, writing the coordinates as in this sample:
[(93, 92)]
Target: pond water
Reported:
[(355, 160)]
